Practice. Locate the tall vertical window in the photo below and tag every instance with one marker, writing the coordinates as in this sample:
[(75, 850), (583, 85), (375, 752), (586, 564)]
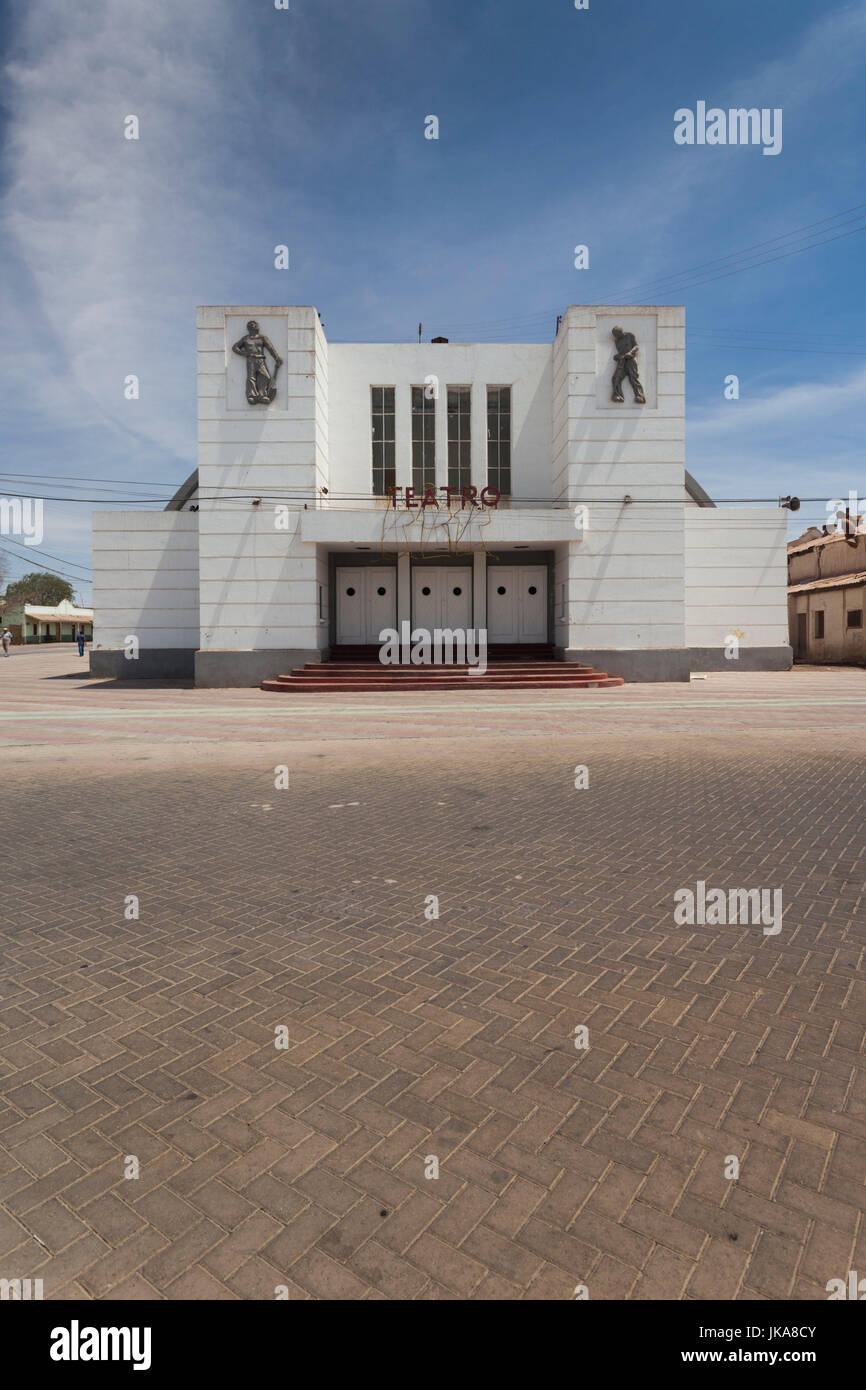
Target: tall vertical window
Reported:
[(499, 438), (459, 436), (384, 448), (423, 439)]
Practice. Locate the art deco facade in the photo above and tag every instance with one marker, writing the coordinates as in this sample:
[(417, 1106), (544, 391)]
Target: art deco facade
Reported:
[(494, 486)]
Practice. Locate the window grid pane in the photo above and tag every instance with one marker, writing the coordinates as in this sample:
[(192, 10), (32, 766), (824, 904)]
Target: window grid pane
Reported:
[(384, 448), (423, 439), (459, 436), (499, 438)]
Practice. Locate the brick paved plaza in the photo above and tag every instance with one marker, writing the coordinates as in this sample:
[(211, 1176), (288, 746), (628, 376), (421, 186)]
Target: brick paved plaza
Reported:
[(411, 1038)]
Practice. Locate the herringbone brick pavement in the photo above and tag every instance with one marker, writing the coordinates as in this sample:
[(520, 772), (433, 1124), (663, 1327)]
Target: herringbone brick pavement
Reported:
[(450, 1038)]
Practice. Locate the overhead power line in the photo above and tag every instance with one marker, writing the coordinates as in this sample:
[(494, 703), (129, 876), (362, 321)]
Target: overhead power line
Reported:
[(128, 501), (61, 559), (29, 550), (299, 496), (748, 251), (674, 283), (777, 347), (61, 574), (78, 478), (768, 260)]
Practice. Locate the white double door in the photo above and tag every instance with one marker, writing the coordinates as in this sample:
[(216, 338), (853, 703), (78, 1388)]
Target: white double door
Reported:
[(366, 603), (517, 603), (442, 596)]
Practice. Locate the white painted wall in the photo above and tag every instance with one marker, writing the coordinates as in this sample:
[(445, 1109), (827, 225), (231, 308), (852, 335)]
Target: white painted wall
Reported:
[(355, 367), (427, 529), (736, 576), (626, 576), (259, 585), (145, 579)]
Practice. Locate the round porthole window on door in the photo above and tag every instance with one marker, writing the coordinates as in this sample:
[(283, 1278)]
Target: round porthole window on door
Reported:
[(501, 589), (381, 591), (351, 593), (425, 591), (458, 591), (532, 589)]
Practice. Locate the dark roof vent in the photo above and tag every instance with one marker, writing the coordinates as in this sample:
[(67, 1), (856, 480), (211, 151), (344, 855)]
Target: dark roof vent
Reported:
[(439, 340)]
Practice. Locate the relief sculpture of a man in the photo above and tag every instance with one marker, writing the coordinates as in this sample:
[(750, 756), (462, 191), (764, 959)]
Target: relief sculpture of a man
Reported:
[(625, 353), (261, 385)]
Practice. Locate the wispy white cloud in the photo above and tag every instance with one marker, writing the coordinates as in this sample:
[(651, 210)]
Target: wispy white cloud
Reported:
[(808, 435), (112, 234), (801, 403)]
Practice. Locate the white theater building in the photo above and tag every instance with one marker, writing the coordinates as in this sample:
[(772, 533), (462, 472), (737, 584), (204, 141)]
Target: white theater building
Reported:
[(460, 485)]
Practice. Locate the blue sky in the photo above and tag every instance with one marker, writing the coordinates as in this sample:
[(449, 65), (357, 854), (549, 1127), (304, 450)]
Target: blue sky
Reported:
[(306, 127)]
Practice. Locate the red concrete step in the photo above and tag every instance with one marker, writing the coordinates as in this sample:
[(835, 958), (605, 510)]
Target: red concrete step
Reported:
[(410, 679), (599, 681), (377, 665), (358, 669), (353, 671), (350, 671), (554, 676)]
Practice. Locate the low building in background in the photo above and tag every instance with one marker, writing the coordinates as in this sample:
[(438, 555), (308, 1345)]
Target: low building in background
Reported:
[(33, 623), (827, 595)]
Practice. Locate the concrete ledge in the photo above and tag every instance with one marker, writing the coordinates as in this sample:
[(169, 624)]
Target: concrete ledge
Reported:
[(151, 664), (238, 668), (749, 659), (654, 664)]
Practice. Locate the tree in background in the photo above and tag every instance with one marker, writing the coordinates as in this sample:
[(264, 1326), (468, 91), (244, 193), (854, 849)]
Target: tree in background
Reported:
[(45, 589)]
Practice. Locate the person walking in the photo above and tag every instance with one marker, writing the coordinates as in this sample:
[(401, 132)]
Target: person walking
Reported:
[(6, 639), (81, 644)]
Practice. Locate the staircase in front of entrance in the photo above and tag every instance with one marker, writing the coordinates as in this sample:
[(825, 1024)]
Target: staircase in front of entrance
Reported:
[(351, 669)]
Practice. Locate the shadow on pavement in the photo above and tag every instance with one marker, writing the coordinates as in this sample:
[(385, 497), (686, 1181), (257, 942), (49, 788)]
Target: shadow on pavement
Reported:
[(100, 683)]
